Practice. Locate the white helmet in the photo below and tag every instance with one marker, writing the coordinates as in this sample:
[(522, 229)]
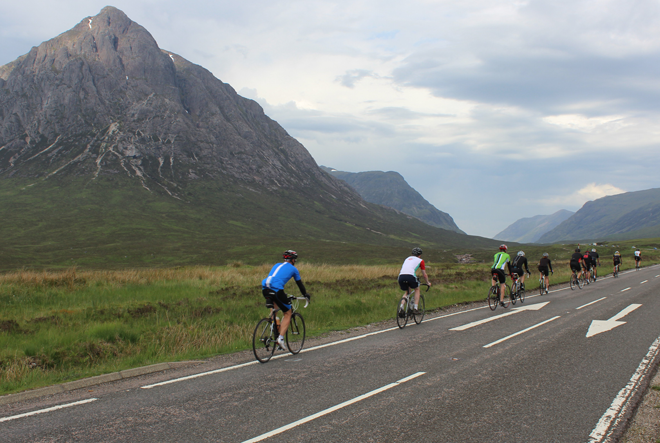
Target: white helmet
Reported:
[(521, 253)]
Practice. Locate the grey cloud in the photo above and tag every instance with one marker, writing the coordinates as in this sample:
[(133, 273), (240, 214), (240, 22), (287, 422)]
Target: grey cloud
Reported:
[(351, 77)]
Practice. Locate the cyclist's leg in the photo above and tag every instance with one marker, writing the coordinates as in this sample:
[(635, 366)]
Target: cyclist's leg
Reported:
[(417, 292)]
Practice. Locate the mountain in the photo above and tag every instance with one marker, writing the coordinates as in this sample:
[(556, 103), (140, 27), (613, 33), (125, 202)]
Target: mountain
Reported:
[(623, 216), (391, 189), (114, 152), (529, 230)]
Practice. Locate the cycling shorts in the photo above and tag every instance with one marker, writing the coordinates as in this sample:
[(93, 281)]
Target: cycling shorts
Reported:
[(518, 271), (575, 266), (407, 281), (501, 277), (544, 270), (279, 298), (617, 262), (638, 258)]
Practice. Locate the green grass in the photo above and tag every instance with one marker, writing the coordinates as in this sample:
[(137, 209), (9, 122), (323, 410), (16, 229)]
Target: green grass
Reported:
[(59, 326)]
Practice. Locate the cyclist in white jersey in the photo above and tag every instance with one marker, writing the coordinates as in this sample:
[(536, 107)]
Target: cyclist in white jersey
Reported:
[(408, 275)]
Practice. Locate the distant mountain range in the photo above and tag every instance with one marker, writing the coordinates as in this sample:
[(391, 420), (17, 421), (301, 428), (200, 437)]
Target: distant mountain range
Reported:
[(116, 152), (391, 189), (529, 230), (624, 216)]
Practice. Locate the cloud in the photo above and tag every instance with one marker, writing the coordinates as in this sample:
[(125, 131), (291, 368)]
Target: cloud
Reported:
[(590, 192)]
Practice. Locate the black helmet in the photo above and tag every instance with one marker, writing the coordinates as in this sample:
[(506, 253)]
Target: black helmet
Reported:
[(417, 252), (289, 254), (577, 249)]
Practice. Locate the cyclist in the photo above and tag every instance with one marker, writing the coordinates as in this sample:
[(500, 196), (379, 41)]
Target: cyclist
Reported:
[(408, 277), (517, 267), (595, 261), (501, 260), (586, 264), (576, 260), (616, 259), (638, 258), (544, 264), (273, 289)]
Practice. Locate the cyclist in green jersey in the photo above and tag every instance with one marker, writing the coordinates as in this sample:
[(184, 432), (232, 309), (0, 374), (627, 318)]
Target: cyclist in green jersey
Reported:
[(502, 260)]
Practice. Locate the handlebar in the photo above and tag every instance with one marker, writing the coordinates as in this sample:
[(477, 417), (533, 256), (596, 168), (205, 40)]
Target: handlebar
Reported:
[(427, 286), (292, 297)]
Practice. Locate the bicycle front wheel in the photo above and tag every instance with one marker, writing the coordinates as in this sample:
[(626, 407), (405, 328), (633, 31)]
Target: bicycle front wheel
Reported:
[(573, 282), (264, 340), (493, 298), (402, 312), (580, 281), (295, 335), (421, 307), (521, 295)]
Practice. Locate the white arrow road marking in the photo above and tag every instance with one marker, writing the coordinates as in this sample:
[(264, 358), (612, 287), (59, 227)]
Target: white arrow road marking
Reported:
[(521, 332), (332, 409), (598, 326), (534, 307)]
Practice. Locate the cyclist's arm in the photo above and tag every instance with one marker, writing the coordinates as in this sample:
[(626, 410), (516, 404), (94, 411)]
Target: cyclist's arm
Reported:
[(550, 266), (301, 286), (426, 277), (526, 265)]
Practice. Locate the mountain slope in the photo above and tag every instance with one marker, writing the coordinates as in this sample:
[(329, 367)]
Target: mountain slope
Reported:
[(529, 230), (391, 189), (618, 215), (111, 148)]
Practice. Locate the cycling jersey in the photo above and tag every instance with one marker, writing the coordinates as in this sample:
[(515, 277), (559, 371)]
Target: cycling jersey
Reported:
[(279, 276), (594, 258), (518, 263), (638, 255), (411, 265), (576, 257), (544, 264), (500, 260), (616, 259)]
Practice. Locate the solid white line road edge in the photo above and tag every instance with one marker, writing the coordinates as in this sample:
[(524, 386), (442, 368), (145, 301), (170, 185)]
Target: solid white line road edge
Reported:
[(617, 411), (332, 409), (521, 332), (595, 301), (54, 408)]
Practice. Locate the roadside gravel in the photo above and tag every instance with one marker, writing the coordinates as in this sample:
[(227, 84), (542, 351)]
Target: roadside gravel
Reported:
[(644, 427)]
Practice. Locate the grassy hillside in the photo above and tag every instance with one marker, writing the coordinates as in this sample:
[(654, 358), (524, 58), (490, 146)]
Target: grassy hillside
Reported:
[(115, 223), (529, 230)]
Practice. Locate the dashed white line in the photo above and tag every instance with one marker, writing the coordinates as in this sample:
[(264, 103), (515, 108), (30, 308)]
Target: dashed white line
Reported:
[(645, 281), (624, 290), (54, 408), (521, 332), (595, 301), (617, 411), (332, 409)]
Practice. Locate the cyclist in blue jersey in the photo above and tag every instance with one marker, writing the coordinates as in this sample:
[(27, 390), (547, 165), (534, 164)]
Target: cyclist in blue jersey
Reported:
[(502, 260), (273, 289)]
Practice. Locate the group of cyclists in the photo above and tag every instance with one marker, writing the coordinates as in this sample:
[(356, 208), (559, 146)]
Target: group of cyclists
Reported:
[(580, 263)]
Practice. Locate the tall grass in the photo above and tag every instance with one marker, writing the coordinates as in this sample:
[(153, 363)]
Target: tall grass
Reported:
[(61, 326)]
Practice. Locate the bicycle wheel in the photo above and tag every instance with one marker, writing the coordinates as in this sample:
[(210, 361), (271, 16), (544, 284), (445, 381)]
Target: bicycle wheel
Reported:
[(514, 293), (264, 340), (541, 286), (573, 281), (521, 295), (402, 312), (421, 307), (580, 281), (493, 298), (507, 297), (295, 334)]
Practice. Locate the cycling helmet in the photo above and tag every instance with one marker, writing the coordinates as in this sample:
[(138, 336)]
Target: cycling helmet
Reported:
[(593, 250), (577, 249), (503, 248), (521, 253), (545, 254), (616, 253), (417, 252), (289, 254)]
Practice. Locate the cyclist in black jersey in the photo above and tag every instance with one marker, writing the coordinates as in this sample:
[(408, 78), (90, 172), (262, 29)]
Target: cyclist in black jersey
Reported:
[(544, 265), (517, 265), (595, 261), (616, 259), (576, 261), (586, 264)]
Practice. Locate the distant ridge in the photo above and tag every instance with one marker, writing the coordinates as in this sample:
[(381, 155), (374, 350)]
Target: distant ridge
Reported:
[(623, 216), (391, 189), (529, 230)]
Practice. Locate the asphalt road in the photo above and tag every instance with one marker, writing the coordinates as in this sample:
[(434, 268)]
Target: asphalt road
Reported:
[(531, 375)]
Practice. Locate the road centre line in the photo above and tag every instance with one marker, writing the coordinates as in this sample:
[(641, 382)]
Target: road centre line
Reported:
[(618, 410), (54, 408), (627, 289), (332, 409), (521, 332), (242, 365), (645, 281), (595, 301)]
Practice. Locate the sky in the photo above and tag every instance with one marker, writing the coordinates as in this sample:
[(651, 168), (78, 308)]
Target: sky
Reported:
[(492, 110)]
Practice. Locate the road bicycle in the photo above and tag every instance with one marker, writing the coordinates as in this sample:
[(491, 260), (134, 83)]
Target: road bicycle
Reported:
[(615, 274), (405, 311), (494, 295), (264, 339), (575, 281), (543, 289), (517, 291)]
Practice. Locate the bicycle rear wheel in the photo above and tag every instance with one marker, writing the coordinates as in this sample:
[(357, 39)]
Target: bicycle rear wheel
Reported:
[(514, 293), (507, 297), (295, 335), (580, 281), (573, 281), (521, 295), (421, 307), (264, 340), (402, 312), (542, 286), (493, 298)]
